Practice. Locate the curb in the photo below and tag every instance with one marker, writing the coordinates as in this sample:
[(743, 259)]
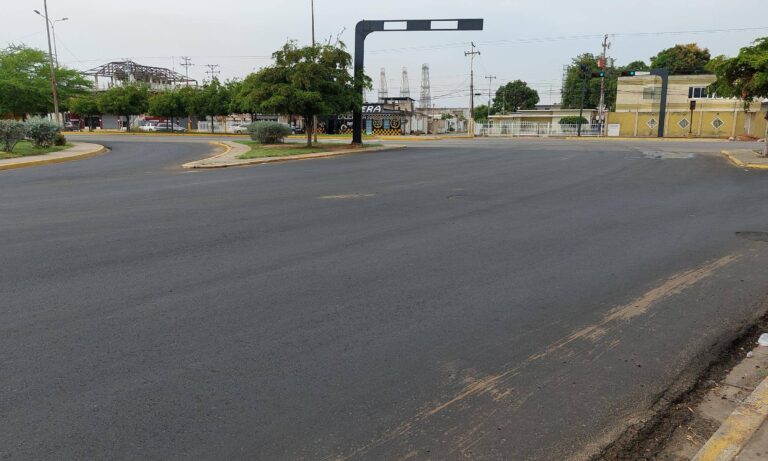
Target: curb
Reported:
[(49, 161), (740, 164), (148, 133), (625, 138), (290, 158), (736, 431)]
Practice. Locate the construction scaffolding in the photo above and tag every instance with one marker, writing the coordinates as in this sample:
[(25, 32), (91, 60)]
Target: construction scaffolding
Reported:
[(129, 72)]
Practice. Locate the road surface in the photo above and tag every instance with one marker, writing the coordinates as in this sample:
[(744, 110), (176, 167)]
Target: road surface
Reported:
[(496, 299)]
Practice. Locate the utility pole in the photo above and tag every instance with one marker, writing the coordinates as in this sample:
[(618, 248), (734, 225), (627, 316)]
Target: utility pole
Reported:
[(602, 65), (314, 117), (490, 79), (186, 64), (585, 72), (212, 72), (471, 55), (54, 87)]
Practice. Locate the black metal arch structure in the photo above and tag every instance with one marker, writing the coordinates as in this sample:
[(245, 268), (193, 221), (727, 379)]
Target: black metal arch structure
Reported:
[(365, 28)]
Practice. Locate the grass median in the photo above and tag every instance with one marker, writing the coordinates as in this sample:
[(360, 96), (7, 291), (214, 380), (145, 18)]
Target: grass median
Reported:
[(26, 149), (290, 149)]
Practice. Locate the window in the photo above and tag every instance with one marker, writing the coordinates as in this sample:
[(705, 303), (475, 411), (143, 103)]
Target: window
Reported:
[(650, 92), (695, 92)]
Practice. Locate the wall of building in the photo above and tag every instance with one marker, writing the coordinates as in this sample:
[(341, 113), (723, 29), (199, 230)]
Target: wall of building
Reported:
[(704, 123)]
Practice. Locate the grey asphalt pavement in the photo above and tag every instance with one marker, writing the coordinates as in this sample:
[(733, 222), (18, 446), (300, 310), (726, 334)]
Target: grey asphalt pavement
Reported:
[(495, 299)]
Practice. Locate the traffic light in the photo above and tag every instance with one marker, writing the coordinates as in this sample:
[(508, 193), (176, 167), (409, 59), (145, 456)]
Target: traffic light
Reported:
[(600, 74), (628, 73)]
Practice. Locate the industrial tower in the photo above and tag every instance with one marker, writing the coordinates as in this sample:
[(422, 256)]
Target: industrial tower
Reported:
[(405, 89), (383, 92), (425, 102)]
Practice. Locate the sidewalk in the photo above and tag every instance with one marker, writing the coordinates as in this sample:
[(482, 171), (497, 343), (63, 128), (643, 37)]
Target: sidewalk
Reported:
[(79, 150), (746, 158), (743, 435)]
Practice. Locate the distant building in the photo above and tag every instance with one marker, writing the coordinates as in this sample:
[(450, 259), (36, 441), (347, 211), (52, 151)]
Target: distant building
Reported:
[(128, 72)]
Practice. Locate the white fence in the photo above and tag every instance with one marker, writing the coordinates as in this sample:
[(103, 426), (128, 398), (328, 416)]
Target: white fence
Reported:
[(535, 129)]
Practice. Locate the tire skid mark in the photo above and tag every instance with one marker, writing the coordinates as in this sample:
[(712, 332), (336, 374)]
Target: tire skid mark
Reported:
[(495, 384)]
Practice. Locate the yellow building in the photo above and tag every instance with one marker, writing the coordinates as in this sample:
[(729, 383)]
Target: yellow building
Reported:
[(637, 109)]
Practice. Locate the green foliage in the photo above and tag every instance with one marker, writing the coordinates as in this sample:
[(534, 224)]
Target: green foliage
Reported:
[(42, 132), (515, 96), (313, 80), (125, 100), (211, 100), (60, 140), (85, 105), (446, 116), (746, 75), (571, 95), (682, 59), (11, 132), (481, 113), (573, 120), (268, 132), (167, 104), (25, 82)]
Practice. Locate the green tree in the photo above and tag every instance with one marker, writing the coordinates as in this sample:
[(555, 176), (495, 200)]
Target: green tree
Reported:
[(169, 104), (238, 101), (125, 100), (86, 105), (515, 96), (571, 94), (312, 80), (745, 76), (636, 65), (481, 113), (25, 82), (212, 100), (682, 59)]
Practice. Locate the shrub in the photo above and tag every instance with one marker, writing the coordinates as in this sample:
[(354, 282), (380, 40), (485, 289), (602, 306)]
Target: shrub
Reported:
[(268, 132), (573, 120), (11, 132), (61, 140), (42, 132)]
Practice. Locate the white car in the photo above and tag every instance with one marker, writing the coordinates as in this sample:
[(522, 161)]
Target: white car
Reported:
[(149, 125), (240, 129)]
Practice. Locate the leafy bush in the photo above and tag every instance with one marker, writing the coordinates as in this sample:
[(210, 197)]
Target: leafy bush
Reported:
[(573, 120), (11, 132), (268, 132), (61, 140), (42, 132)]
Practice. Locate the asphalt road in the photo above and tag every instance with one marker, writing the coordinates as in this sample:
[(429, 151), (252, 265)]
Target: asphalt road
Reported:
[(496, 299)]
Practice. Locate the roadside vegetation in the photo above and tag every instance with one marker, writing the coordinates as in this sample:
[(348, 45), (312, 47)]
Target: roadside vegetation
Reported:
[(259, 150), (35, 136), (26, 149)]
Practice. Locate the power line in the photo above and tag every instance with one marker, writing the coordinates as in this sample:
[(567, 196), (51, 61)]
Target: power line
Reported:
[(186, 64)]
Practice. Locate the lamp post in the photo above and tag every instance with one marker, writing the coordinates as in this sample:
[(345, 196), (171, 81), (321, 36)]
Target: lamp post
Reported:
[(54, 89), (53, 32)]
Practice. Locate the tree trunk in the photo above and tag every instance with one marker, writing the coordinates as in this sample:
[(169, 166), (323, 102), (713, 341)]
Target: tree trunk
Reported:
[(128, 123), (213, 120), (308, 125), (765, 137)]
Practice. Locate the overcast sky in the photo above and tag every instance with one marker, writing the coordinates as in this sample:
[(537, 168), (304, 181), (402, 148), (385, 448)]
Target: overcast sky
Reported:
[(523, 39)]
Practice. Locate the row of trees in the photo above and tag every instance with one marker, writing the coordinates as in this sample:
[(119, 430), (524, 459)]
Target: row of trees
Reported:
[(307, 81)]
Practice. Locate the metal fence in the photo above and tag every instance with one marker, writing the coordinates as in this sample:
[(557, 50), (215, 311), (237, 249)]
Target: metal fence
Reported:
[(535, 129)]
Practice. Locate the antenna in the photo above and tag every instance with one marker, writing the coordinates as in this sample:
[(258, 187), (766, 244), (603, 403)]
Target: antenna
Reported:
[(383, 91), (426, 93), (405, 90)]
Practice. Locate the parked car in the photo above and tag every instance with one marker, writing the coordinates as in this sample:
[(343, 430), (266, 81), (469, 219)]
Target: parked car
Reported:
[(149, 125), (240, 129), (70, 126), (168, 126)]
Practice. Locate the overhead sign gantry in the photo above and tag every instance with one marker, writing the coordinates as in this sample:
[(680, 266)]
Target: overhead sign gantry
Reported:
[(365, 28)]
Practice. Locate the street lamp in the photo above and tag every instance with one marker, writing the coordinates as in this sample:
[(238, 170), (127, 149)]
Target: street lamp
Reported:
[(53, 31), (54, 88)]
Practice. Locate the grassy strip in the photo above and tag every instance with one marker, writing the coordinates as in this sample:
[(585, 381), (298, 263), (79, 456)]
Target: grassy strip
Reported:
[(26, 149), (285, 150)]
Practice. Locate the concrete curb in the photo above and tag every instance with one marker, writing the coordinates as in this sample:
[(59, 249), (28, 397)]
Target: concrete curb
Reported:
[(97, 149), (730, 156), (257, 161), (624, 138), (738, 428), (151, 133)]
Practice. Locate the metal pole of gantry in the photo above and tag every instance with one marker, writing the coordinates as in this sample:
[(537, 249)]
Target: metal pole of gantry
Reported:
[(365, 28)]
